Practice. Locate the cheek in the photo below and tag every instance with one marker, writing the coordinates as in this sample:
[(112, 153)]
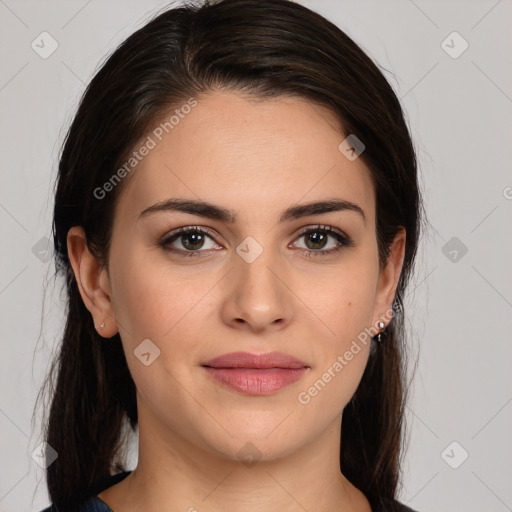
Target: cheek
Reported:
[(341, 357), (151, 298), (152, 303), (346, 308), (347, 297)]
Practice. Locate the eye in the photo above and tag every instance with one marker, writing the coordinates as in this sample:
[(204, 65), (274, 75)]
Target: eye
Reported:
[(316, 241), (194, 241), (189, 241)]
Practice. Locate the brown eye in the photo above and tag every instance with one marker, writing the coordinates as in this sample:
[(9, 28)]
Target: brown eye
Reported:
[(193, 240), (316, 241), (189, 241)]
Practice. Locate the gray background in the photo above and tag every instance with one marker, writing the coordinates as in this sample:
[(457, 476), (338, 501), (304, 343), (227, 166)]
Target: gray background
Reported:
[(459, 314)]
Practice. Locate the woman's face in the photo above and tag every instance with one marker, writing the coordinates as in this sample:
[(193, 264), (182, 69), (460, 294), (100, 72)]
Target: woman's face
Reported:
[(260, 282)]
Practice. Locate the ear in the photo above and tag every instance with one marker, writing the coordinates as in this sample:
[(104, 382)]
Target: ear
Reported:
[(388, 279), (93, 283)]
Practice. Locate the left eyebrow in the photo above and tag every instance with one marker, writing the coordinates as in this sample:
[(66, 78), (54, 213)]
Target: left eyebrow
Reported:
[(211, 211), (315, 208)]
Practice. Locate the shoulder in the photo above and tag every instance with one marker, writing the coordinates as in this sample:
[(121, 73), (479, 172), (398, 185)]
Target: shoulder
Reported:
[(95, 504)]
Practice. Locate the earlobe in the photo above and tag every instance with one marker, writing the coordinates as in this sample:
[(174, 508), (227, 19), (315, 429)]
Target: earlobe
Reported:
[(93, 283)]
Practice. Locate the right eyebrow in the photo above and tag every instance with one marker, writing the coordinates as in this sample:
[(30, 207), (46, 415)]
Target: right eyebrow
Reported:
[(200, 208)]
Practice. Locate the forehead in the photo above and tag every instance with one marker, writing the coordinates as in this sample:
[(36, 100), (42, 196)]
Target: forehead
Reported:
[(253, 156)]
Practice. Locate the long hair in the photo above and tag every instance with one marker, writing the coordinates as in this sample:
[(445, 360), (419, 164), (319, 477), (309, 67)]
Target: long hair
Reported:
[(265, 48)]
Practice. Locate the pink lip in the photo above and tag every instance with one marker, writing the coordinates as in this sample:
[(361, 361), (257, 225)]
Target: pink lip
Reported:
[(256, 374)]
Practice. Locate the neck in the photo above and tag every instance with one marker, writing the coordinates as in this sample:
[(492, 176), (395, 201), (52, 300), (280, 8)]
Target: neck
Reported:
[(176, 474)]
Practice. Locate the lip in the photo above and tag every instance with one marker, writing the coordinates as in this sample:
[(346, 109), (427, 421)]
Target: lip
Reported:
[(258, 361), (256, 374)]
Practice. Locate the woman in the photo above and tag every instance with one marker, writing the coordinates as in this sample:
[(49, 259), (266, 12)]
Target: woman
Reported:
[(237, 215)]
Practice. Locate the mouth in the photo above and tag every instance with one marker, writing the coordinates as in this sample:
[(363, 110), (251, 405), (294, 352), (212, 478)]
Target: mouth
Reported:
[(256, 374)]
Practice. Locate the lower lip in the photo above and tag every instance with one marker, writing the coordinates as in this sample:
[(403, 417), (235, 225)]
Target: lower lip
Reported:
[(251, 381)]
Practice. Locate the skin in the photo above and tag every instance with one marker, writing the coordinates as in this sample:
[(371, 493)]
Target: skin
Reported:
[(256, 158)]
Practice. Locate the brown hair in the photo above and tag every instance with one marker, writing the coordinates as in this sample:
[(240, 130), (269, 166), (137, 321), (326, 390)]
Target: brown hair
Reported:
[(265, 48)]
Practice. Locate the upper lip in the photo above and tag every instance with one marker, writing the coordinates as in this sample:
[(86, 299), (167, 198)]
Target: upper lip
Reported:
[(258, 361)]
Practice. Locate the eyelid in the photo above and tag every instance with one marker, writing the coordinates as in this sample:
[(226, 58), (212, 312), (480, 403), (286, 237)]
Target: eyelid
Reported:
[(342, 238), (322, 227), (191, 228)]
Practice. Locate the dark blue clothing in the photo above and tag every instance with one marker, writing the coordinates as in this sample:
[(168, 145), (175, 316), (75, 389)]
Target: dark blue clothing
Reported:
[(95, 504)]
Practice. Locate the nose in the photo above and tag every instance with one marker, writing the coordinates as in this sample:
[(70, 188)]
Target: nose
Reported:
[(257, 297)]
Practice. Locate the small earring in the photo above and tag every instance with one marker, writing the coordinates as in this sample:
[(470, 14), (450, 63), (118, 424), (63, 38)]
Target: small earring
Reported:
[(100, 327), (381, 327)]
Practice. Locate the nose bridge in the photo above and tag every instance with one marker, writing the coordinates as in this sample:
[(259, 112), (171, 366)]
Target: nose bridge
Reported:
[(258, 298)]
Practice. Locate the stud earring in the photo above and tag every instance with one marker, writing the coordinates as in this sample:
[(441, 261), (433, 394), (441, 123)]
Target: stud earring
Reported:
[(379, 335), (100, 327)]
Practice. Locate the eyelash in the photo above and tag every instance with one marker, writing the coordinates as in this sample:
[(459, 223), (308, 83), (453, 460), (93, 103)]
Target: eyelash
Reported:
[(343, 240)]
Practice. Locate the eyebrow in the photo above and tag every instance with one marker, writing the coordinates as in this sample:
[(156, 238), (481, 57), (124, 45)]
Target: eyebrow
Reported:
[(211, 211)]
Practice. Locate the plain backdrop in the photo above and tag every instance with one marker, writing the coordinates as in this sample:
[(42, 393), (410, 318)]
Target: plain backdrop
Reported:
[(451, 65)]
